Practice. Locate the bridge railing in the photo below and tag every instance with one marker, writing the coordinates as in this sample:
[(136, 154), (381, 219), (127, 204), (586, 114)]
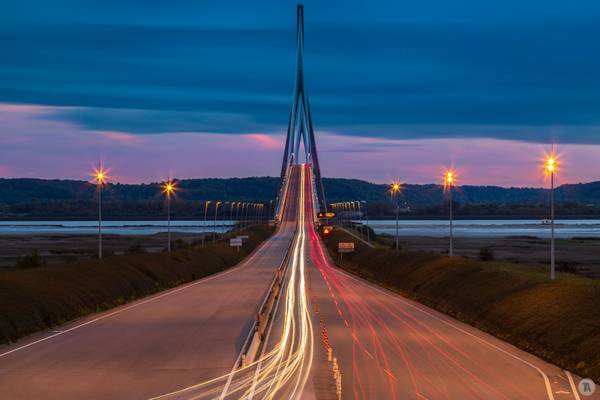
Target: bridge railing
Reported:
[(282, 196)]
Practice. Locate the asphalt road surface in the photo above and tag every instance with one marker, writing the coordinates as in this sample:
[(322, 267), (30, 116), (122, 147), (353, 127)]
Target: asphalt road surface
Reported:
[(152, 346)]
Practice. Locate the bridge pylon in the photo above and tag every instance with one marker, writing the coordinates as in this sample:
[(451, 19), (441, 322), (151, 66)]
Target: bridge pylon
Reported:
[(300, 126)]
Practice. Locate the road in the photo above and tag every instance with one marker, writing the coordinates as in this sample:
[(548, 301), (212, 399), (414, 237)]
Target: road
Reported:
[(152, 346), (333, 336), (389, 347)]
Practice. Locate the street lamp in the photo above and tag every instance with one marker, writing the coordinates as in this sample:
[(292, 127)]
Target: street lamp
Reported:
[(550, 167), (206, 203), (100, 177), (449, 178), (238, 223), (168, 189), (217, 204), (361, 215), (231, 207), (241, 215), (254, 213), (348, 214), (394, 190), (367, 219)]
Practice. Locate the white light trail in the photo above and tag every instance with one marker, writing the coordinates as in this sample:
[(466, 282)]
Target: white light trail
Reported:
[(283, 371)]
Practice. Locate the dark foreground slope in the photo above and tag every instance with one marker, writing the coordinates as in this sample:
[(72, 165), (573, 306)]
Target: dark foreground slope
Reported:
[(558, 321), (43, 297)]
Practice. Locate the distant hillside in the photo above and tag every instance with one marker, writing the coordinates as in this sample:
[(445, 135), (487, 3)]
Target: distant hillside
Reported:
[(72, 198), (424, 196)]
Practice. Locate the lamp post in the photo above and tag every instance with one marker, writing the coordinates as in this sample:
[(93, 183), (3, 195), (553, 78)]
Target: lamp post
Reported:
[(347, 208), (206, 203), (217, 204), (550, 167), (100, 176), (367, 219), (448, 183), (361, 216), (394, 190), (169, 189), (233, 205), (237, 216)]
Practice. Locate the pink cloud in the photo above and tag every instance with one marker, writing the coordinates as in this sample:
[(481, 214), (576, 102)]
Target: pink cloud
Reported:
[(32, 146), (266, 141), (121, 137), (4, 171)]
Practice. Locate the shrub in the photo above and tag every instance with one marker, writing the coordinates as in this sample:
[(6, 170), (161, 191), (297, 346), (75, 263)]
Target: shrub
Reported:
[(32, 260), (486, 254), (136, 248)]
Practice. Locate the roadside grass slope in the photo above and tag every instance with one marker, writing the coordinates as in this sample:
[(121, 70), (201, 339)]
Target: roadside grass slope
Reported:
[(43, 297)]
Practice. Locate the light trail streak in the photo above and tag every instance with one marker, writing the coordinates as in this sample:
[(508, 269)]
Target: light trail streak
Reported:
[(424, 357), (283, 371)]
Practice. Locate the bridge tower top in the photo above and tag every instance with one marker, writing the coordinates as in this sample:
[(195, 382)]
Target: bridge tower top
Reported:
[(300, 125)]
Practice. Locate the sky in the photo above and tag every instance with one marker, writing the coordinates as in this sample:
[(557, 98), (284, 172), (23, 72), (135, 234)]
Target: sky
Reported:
[(398, 90)]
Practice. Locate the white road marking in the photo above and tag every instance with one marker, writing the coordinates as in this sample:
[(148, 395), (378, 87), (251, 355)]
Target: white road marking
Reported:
[(573, 387)]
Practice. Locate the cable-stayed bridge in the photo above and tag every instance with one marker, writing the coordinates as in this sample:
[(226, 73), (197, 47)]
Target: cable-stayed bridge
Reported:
[(284, 324)]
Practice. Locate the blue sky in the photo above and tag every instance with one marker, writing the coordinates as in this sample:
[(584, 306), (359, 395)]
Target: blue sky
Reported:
[(394, 74)]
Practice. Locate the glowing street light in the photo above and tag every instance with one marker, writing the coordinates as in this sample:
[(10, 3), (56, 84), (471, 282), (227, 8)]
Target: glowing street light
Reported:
[(394, 190), (234, 206), (100, 176), (231, 208), (217, 204), (238, 223), (367, 219), (449, 178), (206, 203), (550, 167), (168, 189), (242, 218)]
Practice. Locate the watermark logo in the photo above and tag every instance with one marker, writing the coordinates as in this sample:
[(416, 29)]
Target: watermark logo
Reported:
[(587, 387)]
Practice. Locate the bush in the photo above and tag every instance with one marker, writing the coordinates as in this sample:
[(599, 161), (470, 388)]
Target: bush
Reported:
[(32, 260), (136, 248), (486, 254)]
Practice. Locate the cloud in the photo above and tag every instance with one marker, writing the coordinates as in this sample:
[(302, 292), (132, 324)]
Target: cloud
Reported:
[(120, 137), (381, 69)]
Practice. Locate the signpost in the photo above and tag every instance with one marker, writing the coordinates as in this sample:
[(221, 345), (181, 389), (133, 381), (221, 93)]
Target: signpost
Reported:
[(345, 247), (236, 242)]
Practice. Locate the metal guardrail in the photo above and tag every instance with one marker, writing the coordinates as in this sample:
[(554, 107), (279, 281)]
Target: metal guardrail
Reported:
[(264, 316)]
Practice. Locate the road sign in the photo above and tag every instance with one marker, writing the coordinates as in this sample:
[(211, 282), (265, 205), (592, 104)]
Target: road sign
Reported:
[(327, 229), (345, 247), (326, 215), (235, 242), (242, 237)]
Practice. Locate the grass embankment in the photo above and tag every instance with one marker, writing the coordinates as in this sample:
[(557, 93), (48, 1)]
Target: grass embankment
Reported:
[(558, 321), (39, 298)]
